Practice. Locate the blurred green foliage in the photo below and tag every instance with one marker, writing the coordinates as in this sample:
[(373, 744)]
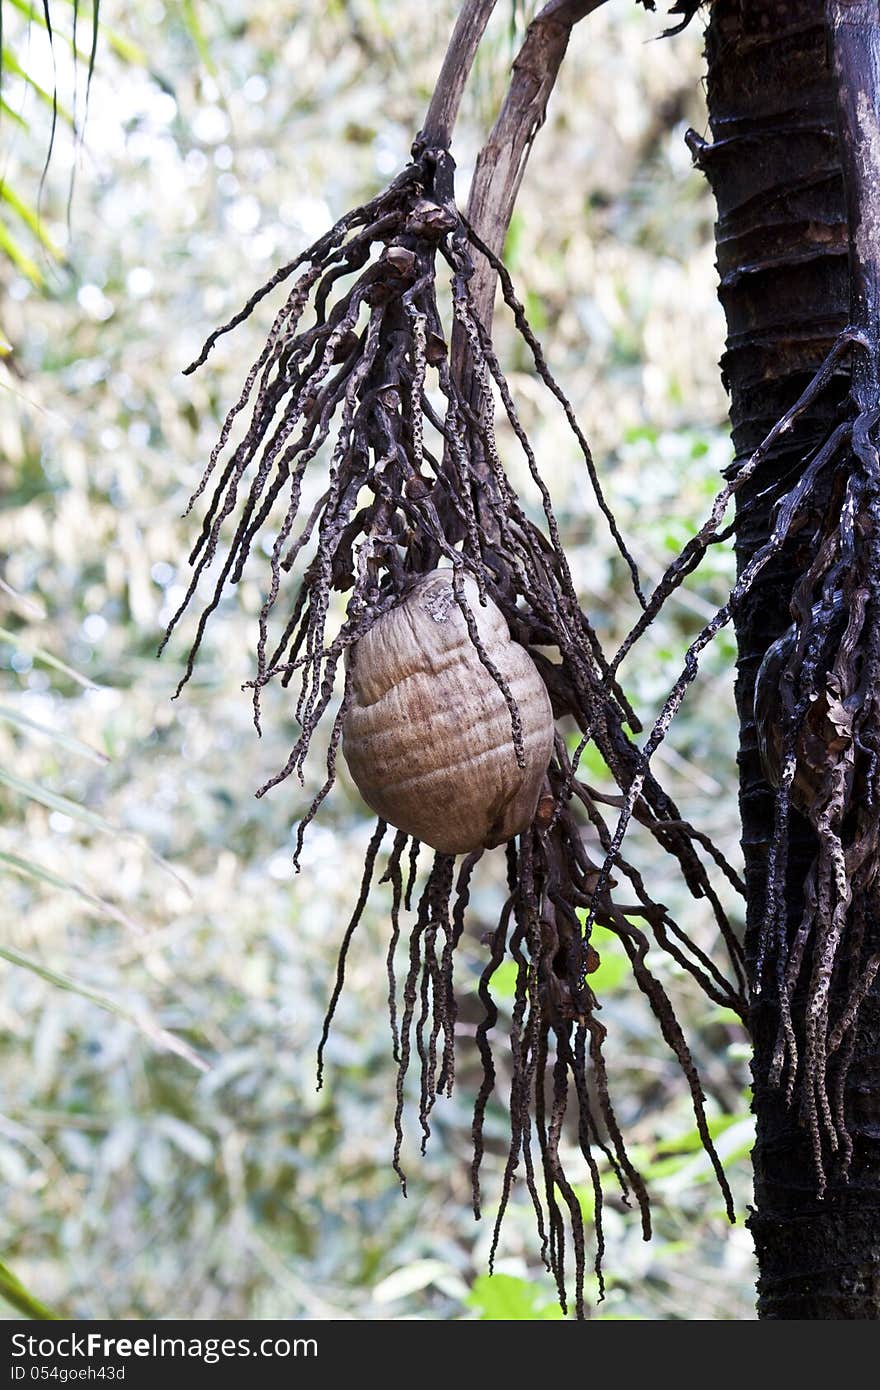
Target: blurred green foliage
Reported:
[(221, 140), (505, 1298)]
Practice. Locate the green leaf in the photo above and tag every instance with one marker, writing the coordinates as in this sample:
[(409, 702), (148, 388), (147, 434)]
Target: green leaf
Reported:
[(591, 764), (665, 1167), (641, 434), (12, 114), (20, 601), (734, 1139), (513, 241), (505, 1298), (587, 1200), (725, 1016), (11, 64), (612, 972), (147, 1025), (40, 654), (31, 219), (15, 1293), (690, 1141), (503, 982), (125, 48), (614, 965), (409, 1279), (20, 259), (29, 10), (194, 28), (535, 311), (29, 868), (54, 801), (58, 736)]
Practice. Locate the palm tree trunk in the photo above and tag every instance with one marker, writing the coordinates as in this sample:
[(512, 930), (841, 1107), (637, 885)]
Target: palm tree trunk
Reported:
[(782, 240)]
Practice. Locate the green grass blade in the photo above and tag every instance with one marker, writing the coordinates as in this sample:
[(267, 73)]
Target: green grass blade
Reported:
[(31, 219), (29, 868), (26, 7), (54, 801), (21, 601), (12, 114), (47, 18), (40, 654), (11, 64), (15, 1293), (124, 48), (58, 736), (193, 25), (159, 1036), (20, 259)]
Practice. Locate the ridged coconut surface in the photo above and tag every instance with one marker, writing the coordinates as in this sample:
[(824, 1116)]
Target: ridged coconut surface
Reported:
[(428, 735)]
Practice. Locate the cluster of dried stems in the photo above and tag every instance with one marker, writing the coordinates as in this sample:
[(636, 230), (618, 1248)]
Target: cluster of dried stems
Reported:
[(416, 477), (356, 379)]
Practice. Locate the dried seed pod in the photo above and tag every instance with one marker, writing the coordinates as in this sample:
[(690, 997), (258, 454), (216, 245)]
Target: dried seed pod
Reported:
[(401, 260), (428, 736), (346, 346), (429, 220), (417, 487), (435, 349), (592, 960)]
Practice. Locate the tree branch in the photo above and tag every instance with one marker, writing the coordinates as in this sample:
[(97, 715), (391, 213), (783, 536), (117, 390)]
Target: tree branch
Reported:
[(440, 117), (503, 158)]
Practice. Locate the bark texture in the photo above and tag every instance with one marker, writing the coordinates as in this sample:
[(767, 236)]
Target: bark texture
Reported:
[(782, 240)]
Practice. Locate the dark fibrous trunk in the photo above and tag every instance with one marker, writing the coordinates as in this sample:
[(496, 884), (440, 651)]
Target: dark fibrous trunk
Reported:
[(776, 168)]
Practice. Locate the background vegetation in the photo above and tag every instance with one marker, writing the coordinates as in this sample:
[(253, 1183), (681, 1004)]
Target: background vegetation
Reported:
[(162, 1147)]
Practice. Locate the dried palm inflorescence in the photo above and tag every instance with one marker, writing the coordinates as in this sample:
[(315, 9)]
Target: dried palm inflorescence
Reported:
[(817, 696), (458, 602), (817, 713), (773, 701), (820, 731)]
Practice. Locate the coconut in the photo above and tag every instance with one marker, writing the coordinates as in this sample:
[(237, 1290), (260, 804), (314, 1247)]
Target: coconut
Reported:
[(428, 736)]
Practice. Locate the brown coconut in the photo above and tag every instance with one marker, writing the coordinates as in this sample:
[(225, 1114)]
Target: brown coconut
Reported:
[(428, 736)]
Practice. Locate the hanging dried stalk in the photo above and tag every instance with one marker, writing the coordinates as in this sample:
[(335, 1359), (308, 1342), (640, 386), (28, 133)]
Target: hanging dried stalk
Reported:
[(830, 684), (355, 381)]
